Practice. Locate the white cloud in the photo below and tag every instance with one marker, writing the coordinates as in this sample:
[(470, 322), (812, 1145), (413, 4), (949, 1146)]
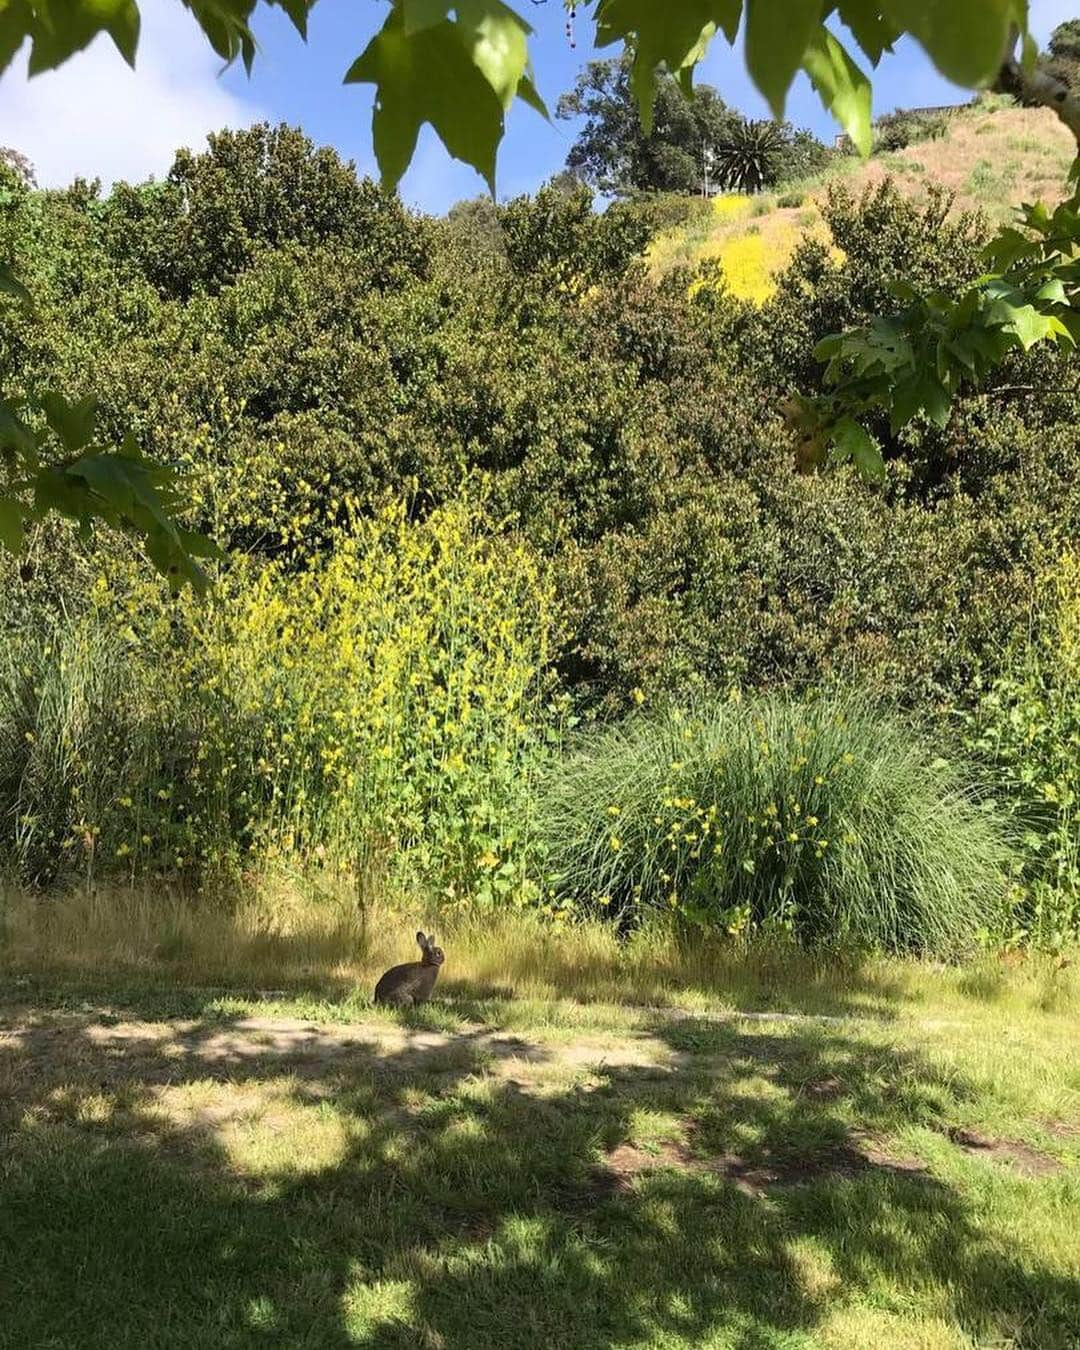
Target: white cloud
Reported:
[(97, 118)]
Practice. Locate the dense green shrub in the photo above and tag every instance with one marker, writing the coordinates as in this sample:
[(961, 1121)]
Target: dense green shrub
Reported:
[(897, 130), (1026, 728), (260, 188), (827, 820), (633, 437)]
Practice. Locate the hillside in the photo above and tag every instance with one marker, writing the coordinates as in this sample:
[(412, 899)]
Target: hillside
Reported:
[(989, 157)]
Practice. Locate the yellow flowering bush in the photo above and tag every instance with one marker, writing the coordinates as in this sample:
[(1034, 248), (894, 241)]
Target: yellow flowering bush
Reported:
[(377, 706)]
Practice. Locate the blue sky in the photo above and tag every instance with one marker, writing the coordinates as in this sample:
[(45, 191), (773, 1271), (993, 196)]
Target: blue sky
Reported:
[(97, 118)]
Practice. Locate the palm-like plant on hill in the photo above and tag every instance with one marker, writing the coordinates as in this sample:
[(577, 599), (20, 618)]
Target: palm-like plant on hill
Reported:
[(749, 157)]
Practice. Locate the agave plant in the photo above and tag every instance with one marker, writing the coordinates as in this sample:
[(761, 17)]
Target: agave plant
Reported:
[(749, 157)]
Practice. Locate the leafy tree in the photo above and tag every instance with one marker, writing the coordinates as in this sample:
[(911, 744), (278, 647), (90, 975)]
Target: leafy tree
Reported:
[(16, 171), (258, 188), (1065, 41), (616, 154), (460, 64), (690, 140)]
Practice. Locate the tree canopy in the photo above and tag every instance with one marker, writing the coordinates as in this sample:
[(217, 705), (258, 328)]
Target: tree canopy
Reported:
[(459, 65), (692, 141)]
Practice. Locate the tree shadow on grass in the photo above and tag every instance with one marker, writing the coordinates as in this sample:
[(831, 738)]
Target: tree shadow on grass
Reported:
[(408, 1189)]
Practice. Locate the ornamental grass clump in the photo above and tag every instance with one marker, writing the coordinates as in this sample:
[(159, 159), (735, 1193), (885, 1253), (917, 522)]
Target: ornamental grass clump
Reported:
[(827, 820)]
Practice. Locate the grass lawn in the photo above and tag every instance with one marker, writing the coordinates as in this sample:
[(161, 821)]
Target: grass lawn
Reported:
[(901, 1168)]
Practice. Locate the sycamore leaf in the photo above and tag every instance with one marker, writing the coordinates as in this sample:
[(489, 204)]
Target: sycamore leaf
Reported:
[(965, 39), (1008, 247), (851, 441), (1024, 321), (418, 14), (226, 26), (72, 422), (872, 31), (1053, 291), (981, 348), (529, 94), (16, 21), (778, 32), (11, 525), (199, 546), (499, 43), (16, 435), (60, 28), (675, 36), (298, 11), (841, 86), (429, 76), (54, 490), (920, 392), (127, 490)]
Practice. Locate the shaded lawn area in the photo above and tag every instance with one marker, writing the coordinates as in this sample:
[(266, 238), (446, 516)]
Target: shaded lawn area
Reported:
[(485, 1175)]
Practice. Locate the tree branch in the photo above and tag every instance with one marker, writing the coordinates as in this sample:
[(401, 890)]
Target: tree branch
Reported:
[(1040, 85)]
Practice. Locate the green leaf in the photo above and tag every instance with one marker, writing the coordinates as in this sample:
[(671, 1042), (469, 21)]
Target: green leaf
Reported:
[(16, 21), (60, 28), (829, 347), (965, 39), (199, 546), (16, 435), (841, 86), (1053, 290), (528, 93), (54, 490), (871, 30), (675, 36), (778, 32), (12, 532), (419, 14), (226, 26), (851, 441), (298, 11), (1008, 247), (428, 76), (1010, 311), (72, 422), (499, 42), (921, 392), (902, 290)]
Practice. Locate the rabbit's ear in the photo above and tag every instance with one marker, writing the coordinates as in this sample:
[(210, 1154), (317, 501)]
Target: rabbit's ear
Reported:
[(423, 942)]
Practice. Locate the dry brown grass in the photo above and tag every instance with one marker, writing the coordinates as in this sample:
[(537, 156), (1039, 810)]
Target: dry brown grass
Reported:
[(991, 159)]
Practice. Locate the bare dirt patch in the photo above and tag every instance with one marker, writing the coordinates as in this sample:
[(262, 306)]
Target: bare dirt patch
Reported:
[(1012, 1153), (857, 1156)]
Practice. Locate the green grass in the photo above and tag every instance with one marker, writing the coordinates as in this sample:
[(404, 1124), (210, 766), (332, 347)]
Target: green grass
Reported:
[(497, 1172)]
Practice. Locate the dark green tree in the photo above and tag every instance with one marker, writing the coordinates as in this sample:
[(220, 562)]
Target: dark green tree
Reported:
[(260, 187), (1065, 40), (615, 154), (692, 143)]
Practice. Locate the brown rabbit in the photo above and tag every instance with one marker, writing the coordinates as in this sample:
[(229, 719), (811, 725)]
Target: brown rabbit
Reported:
[(413, 982)]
